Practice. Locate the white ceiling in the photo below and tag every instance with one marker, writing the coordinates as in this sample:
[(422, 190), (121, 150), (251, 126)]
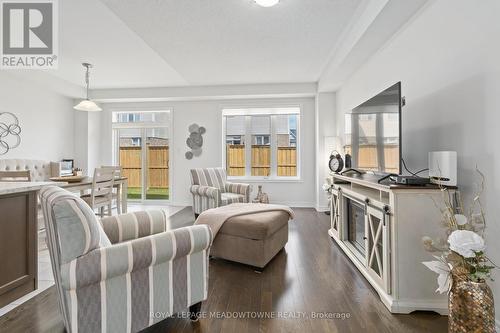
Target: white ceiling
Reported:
[(175, 43), (236, 41), (90, 32)]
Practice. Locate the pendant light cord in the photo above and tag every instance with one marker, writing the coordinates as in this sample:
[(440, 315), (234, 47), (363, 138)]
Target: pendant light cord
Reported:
[(87, 80)]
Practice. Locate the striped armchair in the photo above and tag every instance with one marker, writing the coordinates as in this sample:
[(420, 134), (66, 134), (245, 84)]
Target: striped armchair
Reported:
[(122, 273), (210, 189)]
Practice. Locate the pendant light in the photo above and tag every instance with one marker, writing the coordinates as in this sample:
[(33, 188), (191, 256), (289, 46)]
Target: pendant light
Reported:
[(267, 3), (87, 104)]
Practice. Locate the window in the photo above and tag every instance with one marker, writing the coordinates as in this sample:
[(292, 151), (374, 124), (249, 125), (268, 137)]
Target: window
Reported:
[(286, 134), (260, 129), (140, 117), (234, 139), (261, 140), (136, 141), (141, 147), (273, 137)]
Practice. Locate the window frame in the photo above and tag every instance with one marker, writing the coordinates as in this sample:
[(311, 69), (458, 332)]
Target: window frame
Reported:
[(272, 112), (143, 126)]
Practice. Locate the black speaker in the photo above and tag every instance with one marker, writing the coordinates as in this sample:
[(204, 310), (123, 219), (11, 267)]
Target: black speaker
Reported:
[(348, 162)]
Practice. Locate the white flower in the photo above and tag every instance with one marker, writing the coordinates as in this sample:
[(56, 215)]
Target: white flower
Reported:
[(461, 219), (326, 187), (466, 243), (444, 277)]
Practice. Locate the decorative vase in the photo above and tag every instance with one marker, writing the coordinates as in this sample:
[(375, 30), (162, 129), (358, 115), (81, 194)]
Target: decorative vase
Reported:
[(259, 194), (471, 307)]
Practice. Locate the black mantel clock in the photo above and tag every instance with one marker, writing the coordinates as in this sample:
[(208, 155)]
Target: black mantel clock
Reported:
[(336, 163)]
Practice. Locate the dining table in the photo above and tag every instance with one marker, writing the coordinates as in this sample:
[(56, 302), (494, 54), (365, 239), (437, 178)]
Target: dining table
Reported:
[(85, 184)]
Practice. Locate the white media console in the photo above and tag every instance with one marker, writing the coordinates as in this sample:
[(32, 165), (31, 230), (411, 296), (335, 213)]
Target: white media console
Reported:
[(380, 228)]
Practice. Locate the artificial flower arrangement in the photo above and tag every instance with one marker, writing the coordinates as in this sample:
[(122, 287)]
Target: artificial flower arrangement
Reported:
[(461, 253)]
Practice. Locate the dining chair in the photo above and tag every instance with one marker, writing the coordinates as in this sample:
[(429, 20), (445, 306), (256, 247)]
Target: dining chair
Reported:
[(117, 193), (15, 176), (101, 192)]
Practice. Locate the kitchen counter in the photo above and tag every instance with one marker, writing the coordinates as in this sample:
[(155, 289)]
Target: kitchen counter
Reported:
[(18, 238), (19, 187)]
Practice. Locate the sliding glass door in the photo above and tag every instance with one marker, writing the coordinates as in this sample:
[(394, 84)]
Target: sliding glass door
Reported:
[(130, 159), (141, 145), (157, 164)]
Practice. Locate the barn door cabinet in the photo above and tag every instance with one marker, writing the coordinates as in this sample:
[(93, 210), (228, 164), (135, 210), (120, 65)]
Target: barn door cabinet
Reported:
[(335, 216), (387, 248)]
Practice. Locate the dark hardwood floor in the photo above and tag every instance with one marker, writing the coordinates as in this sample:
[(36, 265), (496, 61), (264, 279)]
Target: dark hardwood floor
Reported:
[(310, 275)]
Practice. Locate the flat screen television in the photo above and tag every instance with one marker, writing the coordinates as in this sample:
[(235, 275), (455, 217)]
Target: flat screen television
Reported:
[(373, 133)]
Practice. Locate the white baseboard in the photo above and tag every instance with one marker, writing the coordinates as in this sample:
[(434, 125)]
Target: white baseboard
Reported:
[(322, 209), (296, 204), (408, 306), (299, 204), (180, 203)]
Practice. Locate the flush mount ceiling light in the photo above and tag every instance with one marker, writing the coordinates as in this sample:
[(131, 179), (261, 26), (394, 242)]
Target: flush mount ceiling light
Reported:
[(267, 3), (87, 104)]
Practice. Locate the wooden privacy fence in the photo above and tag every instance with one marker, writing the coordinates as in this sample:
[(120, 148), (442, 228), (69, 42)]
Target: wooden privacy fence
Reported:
[(157, 164), (261, 161), (235, 160), (287, 161), (368, 157)]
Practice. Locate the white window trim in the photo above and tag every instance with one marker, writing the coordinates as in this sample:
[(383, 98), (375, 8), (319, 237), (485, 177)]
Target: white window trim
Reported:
[(264, 111)]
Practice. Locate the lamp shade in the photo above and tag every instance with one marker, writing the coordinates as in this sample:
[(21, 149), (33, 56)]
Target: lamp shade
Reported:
[(87, 105)]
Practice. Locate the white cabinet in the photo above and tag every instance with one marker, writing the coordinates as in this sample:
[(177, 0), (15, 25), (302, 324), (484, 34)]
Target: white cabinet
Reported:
[(378, 247), (387, 248), (335, 211)]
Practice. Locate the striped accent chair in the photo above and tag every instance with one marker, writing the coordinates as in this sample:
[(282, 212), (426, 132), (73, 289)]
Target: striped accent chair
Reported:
[(122, 273), (210, 189)]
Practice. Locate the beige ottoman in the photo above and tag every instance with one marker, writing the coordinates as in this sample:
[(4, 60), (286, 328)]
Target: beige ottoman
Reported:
[(252, 239)]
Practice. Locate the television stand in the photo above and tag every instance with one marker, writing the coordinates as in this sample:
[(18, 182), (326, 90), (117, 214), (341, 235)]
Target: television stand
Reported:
[(390, 220), (351, 170)]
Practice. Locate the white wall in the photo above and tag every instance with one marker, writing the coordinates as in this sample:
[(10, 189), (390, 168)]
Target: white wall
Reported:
[(81, 125), (45, 117), (448, 59), (87, 133), (325, 127), (208, 113)]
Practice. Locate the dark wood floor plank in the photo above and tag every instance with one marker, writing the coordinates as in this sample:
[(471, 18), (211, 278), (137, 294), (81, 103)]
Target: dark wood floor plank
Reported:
[(310, 275)]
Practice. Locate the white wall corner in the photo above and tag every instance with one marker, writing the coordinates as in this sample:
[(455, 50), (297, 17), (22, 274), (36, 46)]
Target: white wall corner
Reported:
[(325, 126), (87, 140), (81, 140)]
